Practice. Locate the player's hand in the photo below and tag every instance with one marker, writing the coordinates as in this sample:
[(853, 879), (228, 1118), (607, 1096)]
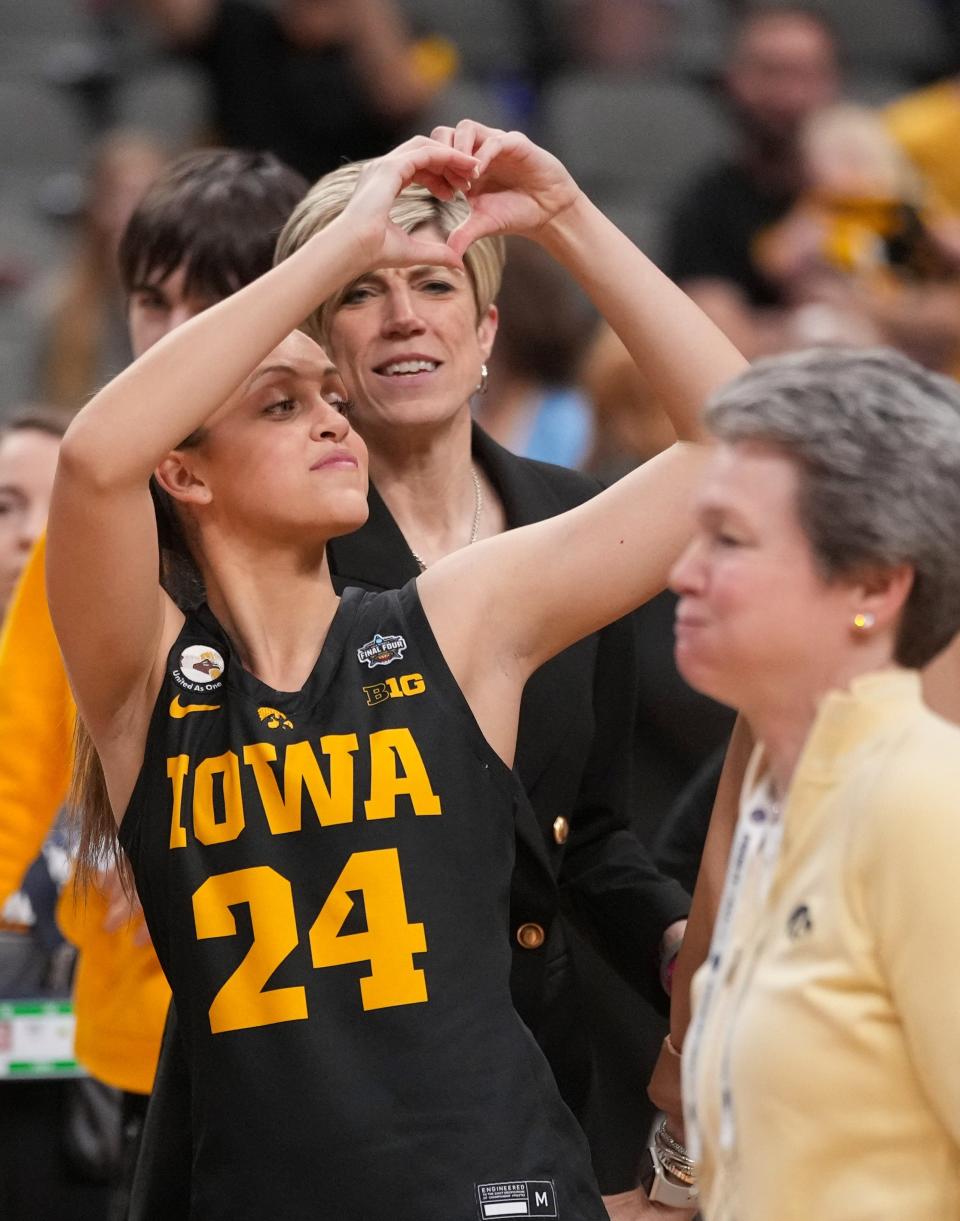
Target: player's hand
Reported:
[(634, 1206), (520, 188), (438, 166)]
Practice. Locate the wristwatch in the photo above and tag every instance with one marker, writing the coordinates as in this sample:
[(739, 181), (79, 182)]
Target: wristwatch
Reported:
[(660, 1187)]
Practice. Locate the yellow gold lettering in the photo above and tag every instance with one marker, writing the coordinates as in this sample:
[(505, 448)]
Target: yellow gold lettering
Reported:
[(376, 693), (207, 828), (388, 747), (177, 768), (244, 1000), (390, 940), (300, 767), (412, 684)]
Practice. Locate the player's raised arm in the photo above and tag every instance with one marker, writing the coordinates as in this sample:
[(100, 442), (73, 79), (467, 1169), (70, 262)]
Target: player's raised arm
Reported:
[(102, 547), (538, 589)]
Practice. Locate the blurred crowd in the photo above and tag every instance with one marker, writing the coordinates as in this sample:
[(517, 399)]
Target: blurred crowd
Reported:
[(793, 167)]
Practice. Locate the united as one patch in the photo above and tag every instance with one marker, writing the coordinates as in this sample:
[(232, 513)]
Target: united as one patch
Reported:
[(201, 664), (381, 650)]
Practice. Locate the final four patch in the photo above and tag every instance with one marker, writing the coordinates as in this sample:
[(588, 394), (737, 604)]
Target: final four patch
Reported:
[(382, 650)]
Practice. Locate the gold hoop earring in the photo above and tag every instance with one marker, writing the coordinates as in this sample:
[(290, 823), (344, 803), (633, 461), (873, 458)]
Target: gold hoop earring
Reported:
[(863, 621)]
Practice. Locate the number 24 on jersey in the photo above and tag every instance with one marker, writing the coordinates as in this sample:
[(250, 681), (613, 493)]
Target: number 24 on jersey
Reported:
[(388, 944)]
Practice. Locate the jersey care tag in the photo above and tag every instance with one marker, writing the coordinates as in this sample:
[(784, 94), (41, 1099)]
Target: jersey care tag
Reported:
[(36, 1040), (531, 1198)]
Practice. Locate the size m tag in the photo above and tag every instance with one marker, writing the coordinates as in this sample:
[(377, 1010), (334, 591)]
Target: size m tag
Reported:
[(524, 1198)]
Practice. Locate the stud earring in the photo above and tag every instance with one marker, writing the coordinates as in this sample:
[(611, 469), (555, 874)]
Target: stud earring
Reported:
[(484, 379), (863, 621)]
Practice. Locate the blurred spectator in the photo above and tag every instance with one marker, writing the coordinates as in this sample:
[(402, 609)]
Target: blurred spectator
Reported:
[(861, 250), (531, 404), (29, 441), (860, 213), (317, 82), (783, 66), (926, 125), (82, 328), (629, 426)]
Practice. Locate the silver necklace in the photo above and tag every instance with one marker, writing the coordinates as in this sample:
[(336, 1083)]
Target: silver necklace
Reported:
[(474, 529)]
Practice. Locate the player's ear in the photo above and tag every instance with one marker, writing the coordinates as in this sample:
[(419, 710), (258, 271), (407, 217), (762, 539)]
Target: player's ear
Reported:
[(177, 475)]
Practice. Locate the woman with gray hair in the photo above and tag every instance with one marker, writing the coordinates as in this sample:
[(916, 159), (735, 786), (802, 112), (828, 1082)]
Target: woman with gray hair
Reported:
[(822, 576)]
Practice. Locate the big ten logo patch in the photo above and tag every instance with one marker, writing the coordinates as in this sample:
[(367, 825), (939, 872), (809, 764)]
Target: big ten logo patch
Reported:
[(394, 688)]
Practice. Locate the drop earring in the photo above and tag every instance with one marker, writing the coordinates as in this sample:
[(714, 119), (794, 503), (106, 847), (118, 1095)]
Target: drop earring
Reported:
[(484, 379)]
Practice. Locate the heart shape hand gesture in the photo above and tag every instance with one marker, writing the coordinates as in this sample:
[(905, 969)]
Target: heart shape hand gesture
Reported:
[(518, 188), (511, 184)]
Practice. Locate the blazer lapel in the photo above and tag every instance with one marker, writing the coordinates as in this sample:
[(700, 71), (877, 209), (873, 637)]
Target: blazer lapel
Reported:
[(374, 557), (547, 711)]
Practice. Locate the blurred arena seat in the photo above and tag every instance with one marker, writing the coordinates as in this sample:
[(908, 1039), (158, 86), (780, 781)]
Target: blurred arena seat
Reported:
[(489, 36), (166, 99), (621, 134), (469, 99), (699, 43), (40, 129), (51, 19), (646, 226)]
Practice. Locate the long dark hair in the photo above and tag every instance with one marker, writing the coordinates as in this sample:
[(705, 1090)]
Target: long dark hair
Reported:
[(88, 799)]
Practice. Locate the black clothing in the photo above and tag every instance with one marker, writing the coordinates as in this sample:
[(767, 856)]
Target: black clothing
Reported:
[(307, 106), (676, 729), (714, 225), (40, 1175), (325, 876), (678, 846)]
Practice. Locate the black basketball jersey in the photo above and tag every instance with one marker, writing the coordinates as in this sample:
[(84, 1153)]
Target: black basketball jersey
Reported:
[(325, 875)]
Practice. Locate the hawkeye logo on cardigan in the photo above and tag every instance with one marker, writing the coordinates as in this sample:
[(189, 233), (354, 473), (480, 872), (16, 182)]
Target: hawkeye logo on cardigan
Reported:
[(382, 650), (208, 800)]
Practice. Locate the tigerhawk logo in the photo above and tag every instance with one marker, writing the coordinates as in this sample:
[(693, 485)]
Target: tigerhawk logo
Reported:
[(274, 718)]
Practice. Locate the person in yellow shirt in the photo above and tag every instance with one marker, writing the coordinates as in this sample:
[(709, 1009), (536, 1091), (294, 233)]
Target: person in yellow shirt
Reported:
[(821, 579), (205, 228), (926, 125)]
